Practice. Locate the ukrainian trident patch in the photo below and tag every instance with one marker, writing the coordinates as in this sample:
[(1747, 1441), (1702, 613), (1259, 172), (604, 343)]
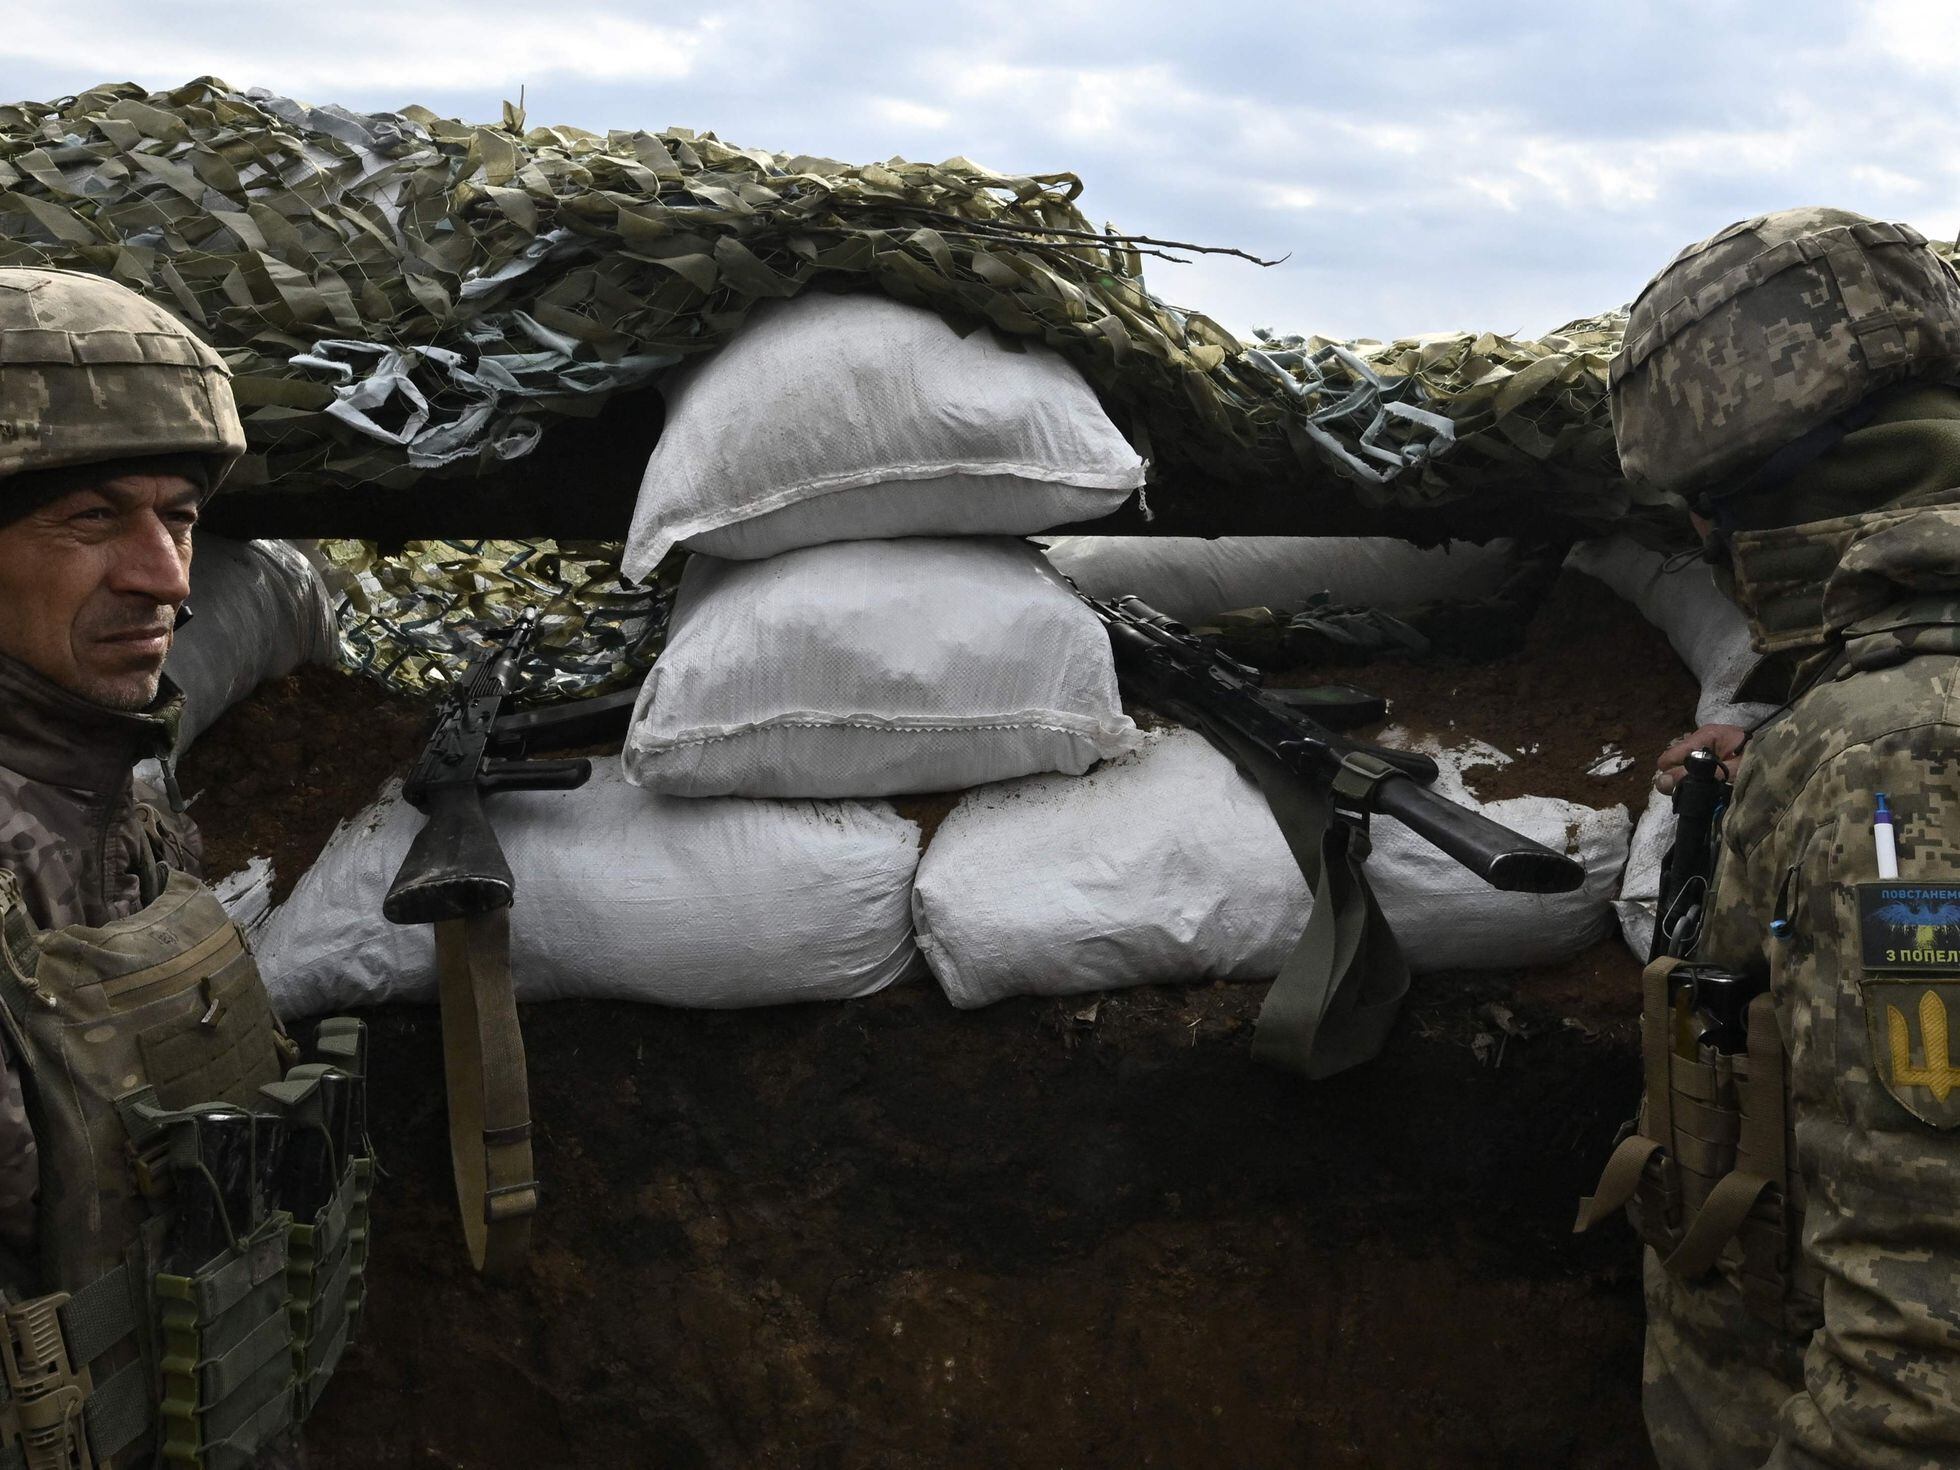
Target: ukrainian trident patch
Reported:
[(1910, 1023), (1910, 941)]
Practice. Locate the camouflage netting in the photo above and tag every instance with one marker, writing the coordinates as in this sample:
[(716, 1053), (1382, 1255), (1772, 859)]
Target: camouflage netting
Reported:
[(1524, 411), (401, 295), (410, 618)]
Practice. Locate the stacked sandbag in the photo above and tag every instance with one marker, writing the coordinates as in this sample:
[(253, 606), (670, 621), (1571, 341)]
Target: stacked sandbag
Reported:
[(1195, 578), (259, 610), (864, 668), (855, 621), (1166, 865), (622, 894), (852, 418)]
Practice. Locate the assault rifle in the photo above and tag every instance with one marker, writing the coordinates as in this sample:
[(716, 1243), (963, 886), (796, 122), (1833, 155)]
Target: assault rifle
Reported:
[(456, 878), (1689, 869), (1335, 997), (456, 866), (1709, 1004), (1173, 671)]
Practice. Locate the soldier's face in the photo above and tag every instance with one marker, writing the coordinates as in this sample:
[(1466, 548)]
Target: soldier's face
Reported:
[(90, 585)]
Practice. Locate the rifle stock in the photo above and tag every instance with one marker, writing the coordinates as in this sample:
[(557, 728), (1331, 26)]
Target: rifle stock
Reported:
[(454, 868)]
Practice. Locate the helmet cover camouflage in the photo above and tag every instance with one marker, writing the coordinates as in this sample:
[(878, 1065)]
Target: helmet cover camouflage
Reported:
[(1760, 333), (91, 372)]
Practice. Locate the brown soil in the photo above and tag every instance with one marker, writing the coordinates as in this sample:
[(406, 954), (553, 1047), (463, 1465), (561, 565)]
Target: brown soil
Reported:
[(1591, 677), (1084, 1233), (1078, 1233), (928, 810), (279, 771)]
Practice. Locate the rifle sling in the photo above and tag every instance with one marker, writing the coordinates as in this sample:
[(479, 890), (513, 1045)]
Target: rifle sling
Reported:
[(489, 1098), (1340, 990)]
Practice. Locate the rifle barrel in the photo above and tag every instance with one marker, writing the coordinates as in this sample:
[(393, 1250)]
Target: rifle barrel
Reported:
[(1502, 858)]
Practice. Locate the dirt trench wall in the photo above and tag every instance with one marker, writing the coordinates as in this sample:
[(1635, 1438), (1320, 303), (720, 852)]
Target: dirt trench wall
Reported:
[(889, 1234)]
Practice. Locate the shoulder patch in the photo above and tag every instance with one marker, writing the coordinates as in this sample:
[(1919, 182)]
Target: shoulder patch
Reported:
[(1909, 940), (1906, 927), (1909, 1022)]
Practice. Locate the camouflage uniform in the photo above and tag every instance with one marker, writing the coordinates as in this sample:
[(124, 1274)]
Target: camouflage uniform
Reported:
[(90, 373), (74, 824), (1786, 363), (1870, 1376)]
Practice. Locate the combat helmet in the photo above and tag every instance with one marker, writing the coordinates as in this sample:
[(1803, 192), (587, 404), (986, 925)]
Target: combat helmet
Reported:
[(91, 372), (1756, 349)]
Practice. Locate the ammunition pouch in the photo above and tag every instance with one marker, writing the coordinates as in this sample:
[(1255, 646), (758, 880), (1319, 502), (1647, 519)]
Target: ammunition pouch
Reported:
[(207, 1257), (1706, 1171), (236, 1333)]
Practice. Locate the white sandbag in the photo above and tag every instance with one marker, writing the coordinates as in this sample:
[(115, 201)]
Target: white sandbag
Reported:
[(874, 668), (259, 610), (1166, 865), (622, 895), (1706, 629), (1640, 887), (247, 894), (838, 418), (1192, 578)]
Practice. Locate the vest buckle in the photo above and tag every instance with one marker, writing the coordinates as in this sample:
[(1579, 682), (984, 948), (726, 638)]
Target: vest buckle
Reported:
[(49, 1390)]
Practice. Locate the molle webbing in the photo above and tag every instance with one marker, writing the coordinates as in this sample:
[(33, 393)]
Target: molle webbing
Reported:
[(1710, 1162), (225, 1355), (168, 995), (325, 1273), (158, 1346), (233, 1353), (53, 1410)]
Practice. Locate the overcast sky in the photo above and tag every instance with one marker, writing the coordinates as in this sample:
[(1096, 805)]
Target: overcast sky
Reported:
[(1427, 165)]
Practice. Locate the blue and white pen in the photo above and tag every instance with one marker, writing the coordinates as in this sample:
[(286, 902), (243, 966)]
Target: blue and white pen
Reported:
[(1883, 839)]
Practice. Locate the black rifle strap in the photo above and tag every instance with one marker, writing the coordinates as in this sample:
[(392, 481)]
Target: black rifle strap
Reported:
[(1340, 990)]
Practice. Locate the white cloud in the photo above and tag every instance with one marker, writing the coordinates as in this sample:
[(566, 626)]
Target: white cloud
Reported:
[(1291, 196), (1887, 180), (1440, 165), (1921, 35), (901, 113), (357, 44), (1499, 189), (1081, 103)]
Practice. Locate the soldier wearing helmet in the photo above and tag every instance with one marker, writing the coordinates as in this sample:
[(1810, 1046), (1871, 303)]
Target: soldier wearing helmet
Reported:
[(1798, 1187), (118, 969)]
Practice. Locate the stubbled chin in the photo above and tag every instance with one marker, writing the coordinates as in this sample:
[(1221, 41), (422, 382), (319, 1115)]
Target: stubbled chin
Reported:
[(122, 696), (128, 692)]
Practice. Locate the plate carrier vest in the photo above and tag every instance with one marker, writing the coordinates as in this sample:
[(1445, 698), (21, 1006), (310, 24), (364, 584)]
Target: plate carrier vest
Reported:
[(202, 1217)]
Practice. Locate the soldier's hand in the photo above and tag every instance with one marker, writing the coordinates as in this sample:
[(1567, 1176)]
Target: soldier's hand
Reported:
[(1725, 740)]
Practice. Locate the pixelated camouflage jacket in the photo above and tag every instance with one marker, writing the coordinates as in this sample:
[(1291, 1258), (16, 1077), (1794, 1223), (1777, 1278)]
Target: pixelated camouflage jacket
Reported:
[(1873, 601), (73, 819)]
